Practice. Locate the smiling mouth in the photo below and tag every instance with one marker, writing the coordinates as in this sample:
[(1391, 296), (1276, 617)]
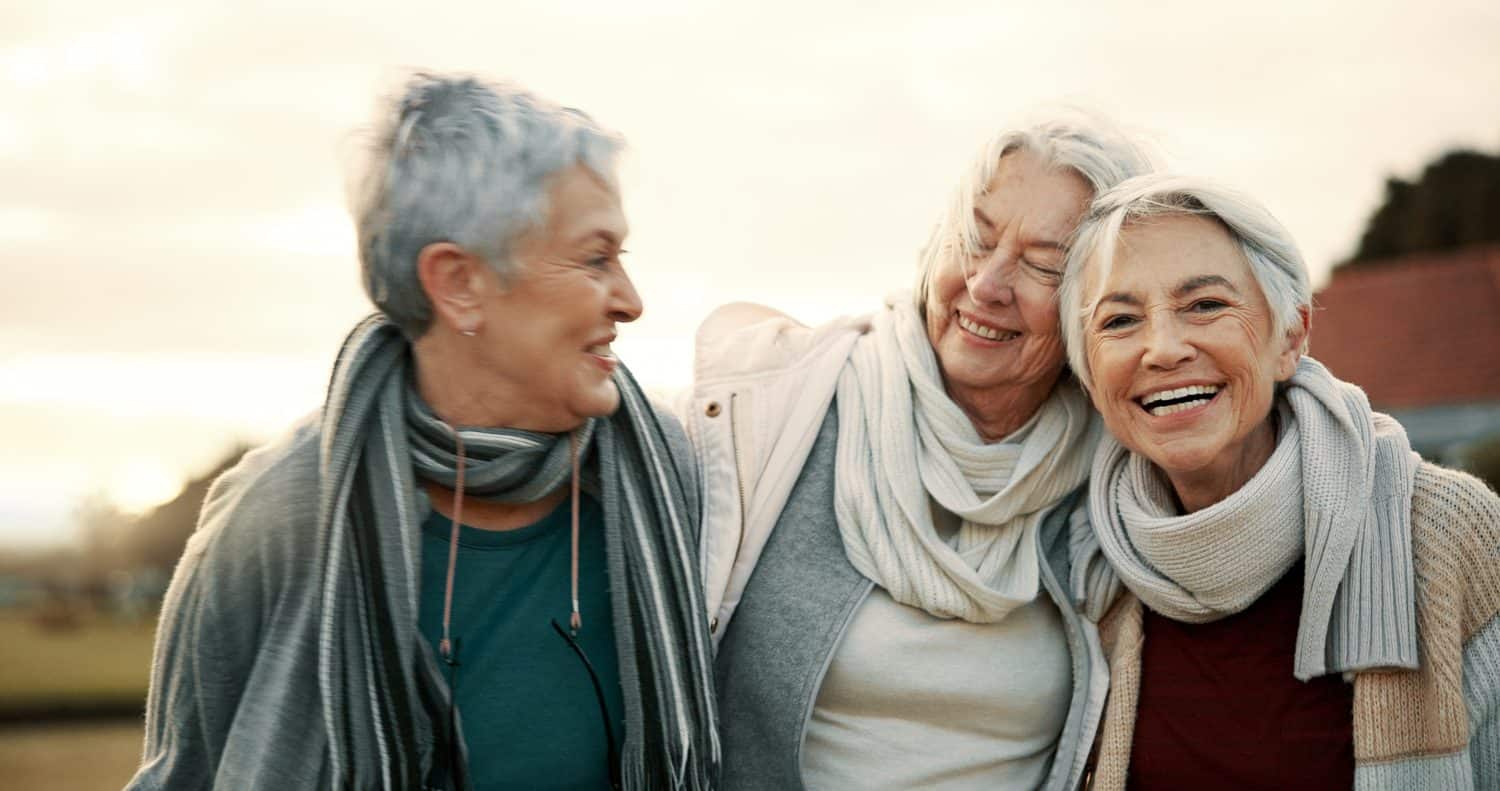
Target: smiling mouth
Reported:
[(988, 333), (1181, 399)]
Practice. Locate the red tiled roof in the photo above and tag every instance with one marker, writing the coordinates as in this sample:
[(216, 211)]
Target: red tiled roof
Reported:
[(1416, 331)]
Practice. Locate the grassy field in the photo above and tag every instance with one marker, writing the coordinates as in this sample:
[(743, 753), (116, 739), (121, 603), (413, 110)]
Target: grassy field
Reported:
[(74, 756), (102, 662)]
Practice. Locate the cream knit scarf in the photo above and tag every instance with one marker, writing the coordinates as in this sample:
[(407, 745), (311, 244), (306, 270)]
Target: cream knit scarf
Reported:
[(903, 440), (1336, 491)]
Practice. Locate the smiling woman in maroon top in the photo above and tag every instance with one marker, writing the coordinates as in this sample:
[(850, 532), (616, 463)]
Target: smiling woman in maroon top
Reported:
[(1281, 535)]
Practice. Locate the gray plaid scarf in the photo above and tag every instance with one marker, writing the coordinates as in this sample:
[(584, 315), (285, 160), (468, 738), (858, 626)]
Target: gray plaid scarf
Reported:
[(383, 698)]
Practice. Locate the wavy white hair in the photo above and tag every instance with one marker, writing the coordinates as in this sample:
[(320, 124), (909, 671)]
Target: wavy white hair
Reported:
[(1274, 259)]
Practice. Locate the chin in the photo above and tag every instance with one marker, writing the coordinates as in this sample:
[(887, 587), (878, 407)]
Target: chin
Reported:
[(1180, 461), (600, 402)]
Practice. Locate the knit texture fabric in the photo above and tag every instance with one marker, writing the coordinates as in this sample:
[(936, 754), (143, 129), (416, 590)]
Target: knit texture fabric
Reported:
[(1433, 728), (378, 440), (894, 409), (1337, 488)]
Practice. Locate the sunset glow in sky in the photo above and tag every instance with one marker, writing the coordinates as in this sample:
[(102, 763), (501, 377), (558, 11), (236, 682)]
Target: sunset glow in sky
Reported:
[(178, 263)]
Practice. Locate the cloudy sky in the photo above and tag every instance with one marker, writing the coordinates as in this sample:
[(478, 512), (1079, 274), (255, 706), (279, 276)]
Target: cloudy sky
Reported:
[(177, 262)]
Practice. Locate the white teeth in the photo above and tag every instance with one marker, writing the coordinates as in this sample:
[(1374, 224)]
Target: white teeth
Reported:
[(986, 332), (1153, 404), (602, 350)]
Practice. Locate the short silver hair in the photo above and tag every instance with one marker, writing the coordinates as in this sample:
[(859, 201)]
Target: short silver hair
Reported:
[(1274, 259), (458, 159), (1071, 139)]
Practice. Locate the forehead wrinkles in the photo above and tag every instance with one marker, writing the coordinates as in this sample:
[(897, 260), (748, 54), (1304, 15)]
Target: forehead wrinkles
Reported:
[(1041, 218)]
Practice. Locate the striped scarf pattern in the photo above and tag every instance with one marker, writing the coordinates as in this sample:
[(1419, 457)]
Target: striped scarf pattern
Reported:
[(382, 693)]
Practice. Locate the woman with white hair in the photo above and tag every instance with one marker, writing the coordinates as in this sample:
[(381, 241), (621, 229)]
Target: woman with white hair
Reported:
[(1278, 538), (902, 485), (475, 568)]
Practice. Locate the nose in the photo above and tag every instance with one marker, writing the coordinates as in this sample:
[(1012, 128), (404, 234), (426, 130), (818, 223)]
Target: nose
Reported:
[(624, 302), (991, 279), (1167, 345)]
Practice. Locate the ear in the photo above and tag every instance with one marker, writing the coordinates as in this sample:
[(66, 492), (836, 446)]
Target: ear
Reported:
[(456, 283), (1293, 345)]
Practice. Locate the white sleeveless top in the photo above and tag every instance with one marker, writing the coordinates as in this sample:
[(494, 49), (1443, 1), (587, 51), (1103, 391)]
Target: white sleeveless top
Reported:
[(913, 701)]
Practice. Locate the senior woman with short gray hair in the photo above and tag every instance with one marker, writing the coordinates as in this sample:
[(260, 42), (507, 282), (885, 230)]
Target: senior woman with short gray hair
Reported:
[(474, 569), (1279, 539), (888, 502)]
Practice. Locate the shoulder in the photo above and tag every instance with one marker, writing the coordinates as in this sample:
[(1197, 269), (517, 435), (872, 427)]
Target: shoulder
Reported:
[(677, 440), (261, 515), (745, 338), (1456, 538), (1453, 510), (1452, 494)]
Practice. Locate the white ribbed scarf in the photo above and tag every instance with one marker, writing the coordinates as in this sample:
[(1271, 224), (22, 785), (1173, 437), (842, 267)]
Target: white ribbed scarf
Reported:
[(896, 420), (1336, 490)]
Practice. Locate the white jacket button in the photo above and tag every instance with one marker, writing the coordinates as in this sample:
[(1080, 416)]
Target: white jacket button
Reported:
[(713, 409)]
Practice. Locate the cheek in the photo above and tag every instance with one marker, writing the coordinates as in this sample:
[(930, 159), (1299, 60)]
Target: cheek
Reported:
[(1040, 312), (943, 283), (938, 306), (1109, 367)]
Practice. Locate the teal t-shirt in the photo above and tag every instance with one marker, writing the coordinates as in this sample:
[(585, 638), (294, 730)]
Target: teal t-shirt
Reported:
[(528, 711)]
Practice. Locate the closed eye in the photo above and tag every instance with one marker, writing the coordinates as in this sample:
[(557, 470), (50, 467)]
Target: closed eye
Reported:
[(1118, 322), (1046, 272)]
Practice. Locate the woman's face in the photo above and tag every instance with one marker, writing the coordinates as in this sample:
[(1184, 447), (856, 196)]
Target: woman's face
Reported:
[(1182, 352), (992, 319), (548, 325)]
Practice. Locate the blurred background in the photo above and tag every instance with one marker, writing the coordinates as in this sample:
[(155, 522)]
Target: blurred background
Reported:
[(177, 268)]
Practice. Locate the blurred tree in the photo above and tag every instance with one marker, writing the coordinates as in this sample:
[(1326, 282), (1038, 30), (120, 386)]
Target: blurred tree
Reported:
[(155, 540), (103, 531), (1455, 202), (1483, 460)]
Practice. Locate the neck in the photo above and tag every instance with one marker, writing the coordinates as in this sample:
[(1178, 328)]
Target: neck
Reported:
[(1198, 489), (997, 412), (460, 386)]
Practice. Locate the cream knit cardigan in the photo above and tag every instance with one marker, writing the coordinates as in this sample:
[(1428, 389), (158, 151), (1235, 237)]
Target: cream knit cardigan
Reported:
[(1437, 727)]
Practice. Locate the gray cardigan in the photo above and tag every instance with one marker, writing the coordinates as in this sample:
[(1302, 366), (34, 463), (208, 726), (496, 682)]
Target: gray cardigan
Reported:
[(798, 604), (234, 699)]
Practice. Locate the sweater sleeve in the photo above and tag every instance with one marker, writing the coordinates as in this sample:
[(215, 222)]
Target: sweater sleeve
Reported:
[(209, 635), (1471, 503), (1464, 515), (192, 698)]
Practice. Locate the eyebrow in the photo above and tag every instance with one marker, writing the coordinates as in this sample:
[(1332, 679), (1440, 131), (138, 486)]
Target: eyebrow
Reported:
[(1201, 281), (1121, 297), (607, 236), (1183, 289), (1044, 244)]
